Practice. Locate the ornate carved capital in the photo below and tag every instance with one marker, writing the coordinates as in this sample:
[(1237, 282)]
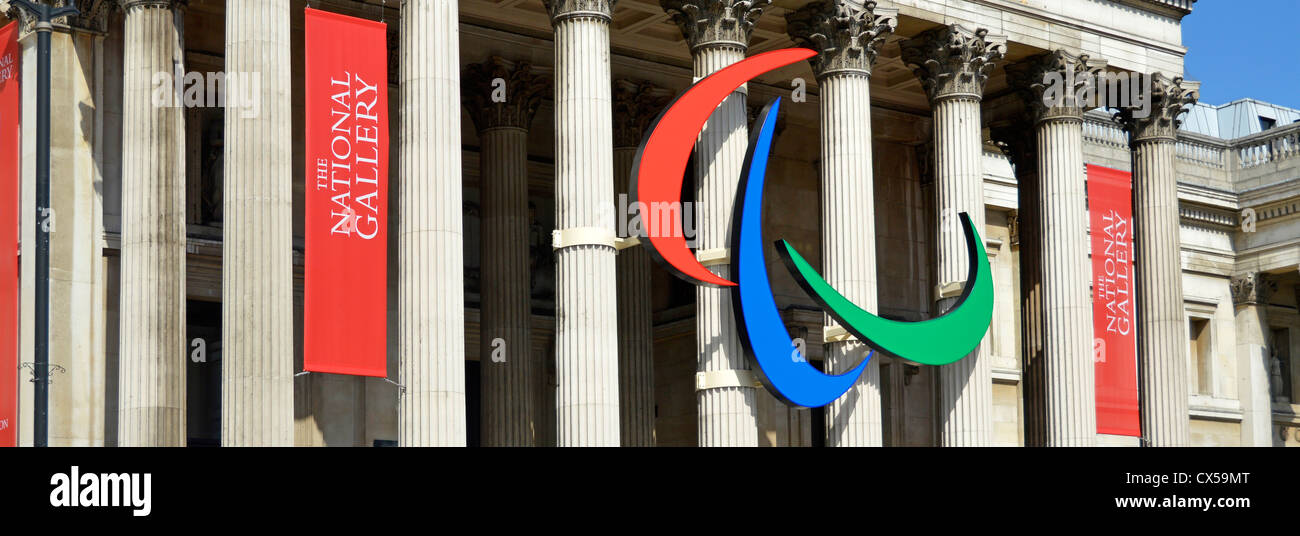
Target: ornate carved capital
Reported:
[(845, 35), (1018, 141), (18, 14), (726, 23), (1052, 84), (1252, 289), (636, 105), (128, 5), (92, 16), (952, 61), (499, 93), (1169, 98), (602, 10)]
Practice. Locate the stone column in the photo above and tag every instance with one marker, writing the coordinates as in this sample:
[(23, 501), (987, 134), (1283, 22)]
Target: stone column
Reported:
[(953, 64), (1250, 294), (502, 97), (1054, 231), (718, 33), (257, 263), (1016, 137), (586, 314), (1161, 336), (636, 104), (431, 295), (82, 402), (152, 308), (848, 39)]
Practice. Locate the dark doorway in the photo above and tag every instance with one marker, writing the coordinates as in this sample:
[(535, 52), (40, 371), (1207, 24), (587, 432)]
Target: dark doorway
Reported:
[(818, 415), (203, 373), (473, 401)]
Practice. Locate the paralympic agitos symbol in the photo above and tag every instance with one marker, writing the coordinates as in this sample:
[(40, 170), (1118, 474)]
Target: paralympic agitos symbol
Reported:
[(657, 175)]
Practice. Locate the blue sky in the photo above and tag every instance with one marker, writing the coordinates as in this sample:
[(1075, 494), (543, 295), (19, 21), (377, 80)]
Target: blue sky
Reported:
[(1244, 48)]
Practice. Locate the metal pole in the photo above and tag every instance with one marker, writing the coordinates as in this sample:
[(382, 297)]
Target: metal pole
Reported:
[(41, 363), (42, 403)]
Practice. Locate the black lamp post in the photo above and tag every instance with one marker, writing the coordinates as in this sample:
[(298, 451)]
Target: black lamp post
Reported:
[(44, 14)]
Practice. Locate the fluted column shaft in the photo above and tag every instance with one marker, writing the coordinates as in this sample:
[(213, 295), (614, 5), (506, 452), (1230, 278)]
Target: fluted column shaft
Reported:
[(718, 33), (959, 177), (586, 354), (430, 237), (1070, 401), (1159, 285), (152, 368), (257, 274), (1161, 336), (502, 96), (847, 38), (635, 330), (966, 386), (727, 415), (1032, 326), (849, 246), (1060, 387), (953, 64), (506, 333)]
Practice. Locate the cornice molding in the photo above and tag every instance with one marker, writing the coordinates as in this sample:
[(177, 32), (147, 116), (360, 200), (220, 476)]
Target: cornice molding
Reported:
[(1176, 9)]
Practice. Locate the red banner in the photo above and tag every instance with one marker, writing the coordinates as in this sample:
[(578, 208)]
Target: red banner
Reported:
[(10, 130), (345, 306), (1110, 208)]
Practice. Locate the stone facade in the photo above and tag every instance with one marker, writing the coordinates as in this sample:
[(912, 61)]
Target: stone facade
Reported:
[(935, 93)]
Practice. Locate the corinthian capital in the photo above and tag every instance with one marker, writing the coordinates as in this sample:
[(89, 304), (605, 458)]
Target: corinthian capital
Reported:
[(1252, 289), (845, 35), (636, 104), (568, 9), (952, 61), (1018, 141), (1056, 84), (127, 5), (499, 93), (1158, 115), (715, 22), (92, 15)]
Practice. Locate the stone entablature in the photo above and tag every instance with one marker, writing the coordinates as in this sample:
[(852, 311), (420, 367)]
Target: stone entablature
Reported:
[(1170, 8), (1108, 30), (1242, 164)]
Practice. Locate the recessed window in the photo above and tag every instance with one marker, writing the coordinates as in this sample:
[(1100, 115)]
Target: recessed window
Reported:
[(1202, 354), (1266, 123)]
